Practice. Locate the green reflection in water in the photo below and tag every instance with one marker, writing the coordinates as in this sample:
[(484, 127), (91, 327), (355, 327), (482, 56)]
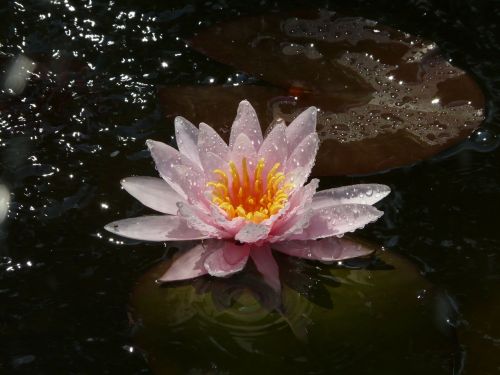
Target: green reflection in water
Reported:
[(379, 315)]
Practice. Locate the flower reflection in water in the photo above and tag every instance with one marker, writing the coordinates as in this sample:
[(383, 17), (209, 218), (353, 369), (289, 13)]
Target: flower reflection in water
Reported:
[(329, 314)]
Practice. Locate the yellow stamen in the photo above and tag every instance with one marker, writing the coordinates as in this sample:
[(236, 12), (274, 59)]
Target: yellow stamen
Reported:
[(242, 196)]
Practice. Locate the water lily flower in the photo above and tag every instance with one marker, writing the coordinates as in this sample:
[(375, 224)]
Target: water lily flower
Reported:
[(250, 195)]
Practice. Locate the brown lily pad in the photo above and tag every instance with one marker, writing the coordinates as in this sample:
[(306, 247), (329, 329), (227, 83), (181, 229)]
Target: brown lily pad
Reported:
[(386, 98)]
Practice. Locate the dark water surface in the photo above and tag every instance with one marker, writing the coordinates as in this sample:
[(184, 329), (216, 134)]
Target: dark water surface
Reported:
[(80, 125)]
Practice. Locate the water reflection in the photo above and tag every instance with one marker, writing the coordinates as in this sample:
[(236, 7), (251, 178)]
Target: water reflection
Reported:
[(18, 74), (4, 202), (326, 318)]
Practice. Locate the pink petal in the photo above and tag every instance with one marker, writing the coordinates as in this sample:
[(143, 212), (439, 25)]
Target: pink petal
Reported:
[(246, 122), (297, 178), (242, 148), (252, 232), (298, 215), (360, 194), (165, 158), (274, 148), (155, 228), (304, 155), (336, 220), (211, 162), (187, 265), (210, 141), (267, 266), (186, 135), (197, 219), (231, 227), (191, 182), (227, 259), (303, 125), (327, 250), (153, 192)]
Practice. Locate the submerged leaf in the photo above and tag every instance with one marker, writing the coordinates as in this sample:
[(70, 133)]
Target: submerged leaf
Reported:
[(353, 318)]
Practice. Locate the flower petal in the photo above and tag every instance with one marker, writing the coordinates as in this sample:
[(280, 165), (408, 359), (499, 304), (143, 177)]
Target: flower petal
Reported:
[(155, 228), (197, 219), (243, 148), (191, 182), (252, 232), (186, 135), (327, 249), (274, 148), (304, 155), (303, 125), (227, 259), (153, 192), (337, 220), (210, 141), (298, 215), (229, 226), (165, 158), (246, 122), (187, 265), (361, 194), (267, 266), (211, 162)]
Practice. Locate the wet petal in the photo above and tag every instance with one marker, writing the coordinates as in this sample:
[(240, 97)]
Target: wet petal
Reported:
[(304, 155), (187, 265), (197, 219), (186, 135), (227, 259), (274, 148), (252, 232), (246, 122), (211, 162), (336, 220), (231, 227), (155, 228), (267, 266), (210, 141), (298, 216), (165, 158), (191, 182), (327, 249), (303, 125), (242, 148), (153, 192), (360, 194)]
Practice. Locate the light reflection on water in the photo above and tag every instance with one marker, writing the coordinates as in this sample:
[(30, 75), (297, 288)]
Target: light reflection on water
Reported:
[(77, 125)]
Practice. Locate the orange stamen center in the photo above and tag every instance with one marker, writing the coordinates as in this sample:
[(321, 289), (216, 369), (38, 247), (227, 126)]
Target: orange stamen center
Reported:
[(251, 198)]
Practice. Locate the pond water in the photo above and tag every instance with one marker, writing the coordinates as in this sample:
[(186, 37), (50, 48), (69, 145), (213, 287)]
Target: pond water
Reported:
[(78, 124)]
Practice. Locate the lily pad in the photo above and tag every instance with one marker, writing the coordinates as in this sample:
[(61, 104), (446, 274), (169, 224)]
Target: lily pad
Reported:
[(372, 313), (386, 98)]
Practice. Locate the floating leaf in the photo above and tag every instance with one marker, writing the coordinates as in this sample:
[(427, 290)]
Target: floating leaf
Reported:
[(387, 98), (373, 314)]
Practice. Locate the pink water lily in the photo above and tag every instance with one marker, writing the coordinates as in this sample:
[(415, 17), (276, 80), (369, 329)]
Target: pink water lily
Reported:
[(251, 195)]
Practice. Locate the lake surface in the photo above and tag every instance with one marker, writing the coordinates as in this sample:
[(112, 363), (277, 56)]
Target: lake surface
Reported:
[(80, 123)]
